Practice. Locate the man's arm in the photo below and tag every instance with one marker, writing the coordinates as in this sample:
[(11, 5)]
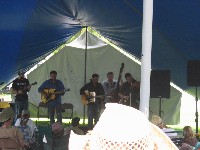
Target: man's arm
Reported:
[(121, 93), (42, 87), (105, 87), (62, 88), (101, 89), (17, 123), (13, 89), (83, 89), (28, 86)]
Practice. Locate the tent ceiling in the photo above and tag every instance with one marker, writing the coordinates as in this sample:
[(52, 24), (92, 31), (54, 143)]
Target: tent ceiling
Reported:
[(30, 30)]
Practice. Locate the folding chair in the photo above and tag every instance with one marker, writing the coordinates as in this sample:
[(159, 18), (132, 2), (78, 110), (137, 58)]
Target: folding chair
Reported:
[(64, 108)]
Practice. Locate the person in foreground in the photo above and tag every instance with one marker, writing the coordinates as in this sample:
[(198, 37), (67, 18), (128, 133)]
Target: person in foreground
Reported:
[(75, 127), (156, 120), (189, 136), (110, 133), (26, 121), (8, 132)]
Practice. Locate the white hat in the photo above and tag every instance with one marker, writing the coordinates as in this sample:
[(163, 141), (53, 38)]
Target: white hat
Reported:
[(25, 112), (156, 120), (123, 127)]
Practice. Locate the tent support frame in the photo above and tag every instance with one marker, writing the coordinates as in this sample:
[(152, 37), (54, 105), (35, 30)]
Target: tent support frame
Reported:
[(85, 72)]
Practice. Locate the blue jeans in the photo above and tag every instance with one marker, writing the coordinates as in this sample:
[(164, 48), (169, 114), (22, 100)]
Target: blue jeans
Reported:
[(93, 113), (19, 106), (52, 110)]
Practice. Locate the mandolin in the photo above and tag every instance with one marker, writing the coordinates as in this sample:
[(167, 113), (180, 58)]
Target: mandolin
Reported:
[(14, 92)]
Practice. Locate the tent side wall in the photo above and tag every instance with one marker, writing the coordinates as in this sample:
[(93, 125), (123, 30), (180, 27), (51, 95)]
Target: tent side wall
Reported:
[(69, 63)]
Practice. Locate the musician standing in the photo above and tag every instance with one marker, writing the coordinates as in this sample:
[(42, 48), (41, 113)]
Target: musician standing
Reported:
[(109, 87), (53, 105), (20, 87), (93, 107), (130, 92)]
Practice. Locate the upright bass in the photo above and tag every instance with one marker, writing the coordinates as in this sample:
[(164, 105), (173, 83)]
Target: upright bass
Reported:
[(116, 97)]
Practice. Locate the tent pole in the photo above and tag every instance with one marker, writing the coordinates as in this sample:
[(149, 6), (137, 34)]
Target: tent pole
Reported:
[(146, 56), (85, 73)]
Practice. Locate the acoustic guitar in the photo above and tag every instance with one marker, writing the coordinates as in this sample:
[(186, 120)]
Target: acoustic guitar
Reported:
[(90, 98), (50, 94)]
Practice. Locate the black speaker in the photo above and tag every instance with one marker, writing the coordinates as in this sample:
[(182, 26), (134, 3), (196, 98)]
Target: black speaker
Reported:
[(193, 73), (160, 84)]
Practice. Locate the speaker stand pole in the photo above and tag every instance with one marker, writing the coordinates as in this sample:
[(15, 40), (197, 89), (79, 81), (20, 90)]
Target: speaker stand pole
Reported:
[(130, 98), (160, 110), (196, 114)]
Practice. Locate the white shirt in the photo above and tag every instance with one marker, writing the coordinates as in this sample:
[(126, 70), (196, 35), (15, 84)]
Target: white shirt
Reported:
[(31, 125), (170, 132), (108, 87)]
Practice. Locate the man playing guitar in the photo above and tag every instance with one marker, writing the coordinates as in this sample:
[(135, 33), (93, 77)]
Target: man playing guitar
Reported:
[(130, 92), (53, 104), (20, 87), (95, 106)]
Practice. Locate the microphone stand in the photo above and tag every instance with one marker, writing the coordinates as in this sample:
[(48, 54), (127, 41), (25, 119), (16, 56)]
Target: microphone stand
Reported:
[(160, 106), (196, 114), (37, 110), (130, 95)]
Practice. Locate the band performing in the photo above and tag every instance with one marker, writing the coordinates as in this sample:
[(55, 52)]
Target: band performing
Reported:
[(93, 94)]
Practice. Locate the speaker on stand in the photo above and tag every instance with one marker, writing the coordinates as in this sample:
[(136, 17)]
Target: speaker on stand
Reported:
[(193, 79), (160, 86)]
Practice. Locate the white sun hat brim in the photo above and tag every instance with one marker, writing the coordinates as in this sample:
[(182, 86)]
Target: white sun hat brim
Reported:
[(122, 127)]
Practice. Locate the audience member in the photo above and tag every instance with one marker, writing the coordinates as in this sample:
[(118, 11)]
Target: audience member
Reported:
[(197, 147), (189, 136), (26, 121), (57, 129), (156, 120), (8, 132), (186, 146), (58, 141), (75, 127)]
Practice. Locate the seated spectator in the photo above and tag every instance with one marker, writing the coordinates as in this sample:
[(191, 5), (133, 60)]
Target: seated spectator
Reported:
[(27, 126), (58, 140), (75, 127), (156, 120), (197, 147), (189, 136), (57, 130), (186, 146), (8, 132)]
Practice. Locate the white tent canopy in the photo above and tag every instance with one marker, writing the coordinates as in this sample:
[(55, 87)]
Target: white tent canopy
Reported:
[(69, 64)]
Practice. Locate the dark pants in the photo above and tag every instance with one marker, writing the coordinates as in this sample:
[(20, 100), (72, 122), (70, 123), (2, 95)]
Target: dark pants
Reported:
[(19, 106), (93, 113), (52, 110)]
